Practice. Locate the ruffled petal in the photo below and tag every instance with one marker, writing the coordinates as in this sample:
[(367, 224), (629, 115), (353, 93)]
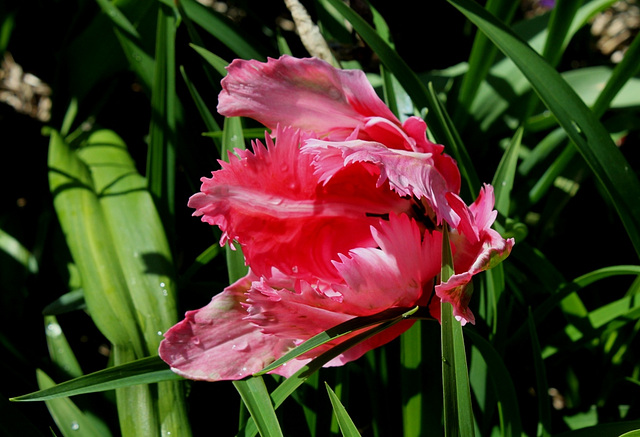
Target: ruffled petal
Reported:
[(217, 342), (398, 273), (300, 310), (408, 173), (308, 94), (275, 207), (476, 247)]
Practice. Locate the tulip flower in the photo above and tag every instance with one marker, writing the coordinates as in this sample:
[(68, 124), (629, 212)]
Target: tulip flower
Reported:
[(339, 213)]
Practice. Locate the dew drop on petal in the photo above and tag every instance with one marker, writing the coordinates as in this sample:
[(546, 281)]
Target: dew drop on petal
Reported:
[(195, 340)]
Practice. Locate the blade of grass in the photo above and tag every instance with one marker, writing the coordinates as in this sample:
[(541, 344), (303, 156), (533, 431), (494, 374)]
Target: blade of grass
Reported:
[(222, 30), (481, 59), (256, 398), (161, 162), (582, 126), (508, 405), (284, 390), (344, 328), (458, 414), (71, 421), (542, 388), (347, 427), (505, 174), (142, 371)]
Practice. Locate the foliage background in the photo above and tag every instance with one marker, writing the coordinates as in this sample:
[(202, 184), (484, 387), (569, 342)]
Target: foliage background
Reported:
[(72, 46)]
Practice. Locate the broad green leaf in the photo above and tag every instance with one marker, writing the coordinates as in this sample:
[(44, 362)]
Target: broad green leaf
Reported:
[(581, 125), (458, 414), (137, 233), (88, 237), (71, 421), (347, 427), (142, 371), (137, 412), (256, 398)]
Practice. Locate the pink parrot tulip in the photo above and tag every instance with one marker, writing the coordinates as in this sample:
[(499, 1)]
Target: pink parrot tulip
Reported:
[(339, 214)]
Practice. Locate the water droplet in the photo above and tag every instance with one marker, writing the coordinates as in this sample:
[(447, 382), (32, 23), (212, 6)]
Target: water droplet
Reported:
[(75, 426), (162, 285), (53, 330), (165, 293), (294, 269), (195, 340), (159, 332), (284, 167)]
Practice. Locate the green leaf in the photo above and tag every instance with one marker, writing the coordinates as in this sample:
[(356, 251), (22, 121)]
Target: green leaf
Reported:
[(71, 421), (582, 126), (12, 247), (59, 350), (505, 174), (347, 427), (215, 61), (161, 159), (286, 388), (503, 387), (221, 29), (233, 138), (256, 398), (542, 388), (391, 315), (458, 414), (88, 237), (142, 371), (117, 17), (136, 231), (71, 301)]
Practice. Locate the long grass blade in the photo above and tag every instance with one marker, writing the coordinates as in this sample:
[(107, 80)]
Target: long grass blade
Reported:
[(347, 427), (142, 371), (582, 126), (256, 398)]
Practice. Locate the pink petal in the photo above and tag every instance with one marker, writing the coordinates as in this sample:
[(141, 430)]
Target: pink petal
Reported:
[(408, 173), (399, 273), (302, 311), (217, 343), (274, 206), (476, 247), (308, 94)]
